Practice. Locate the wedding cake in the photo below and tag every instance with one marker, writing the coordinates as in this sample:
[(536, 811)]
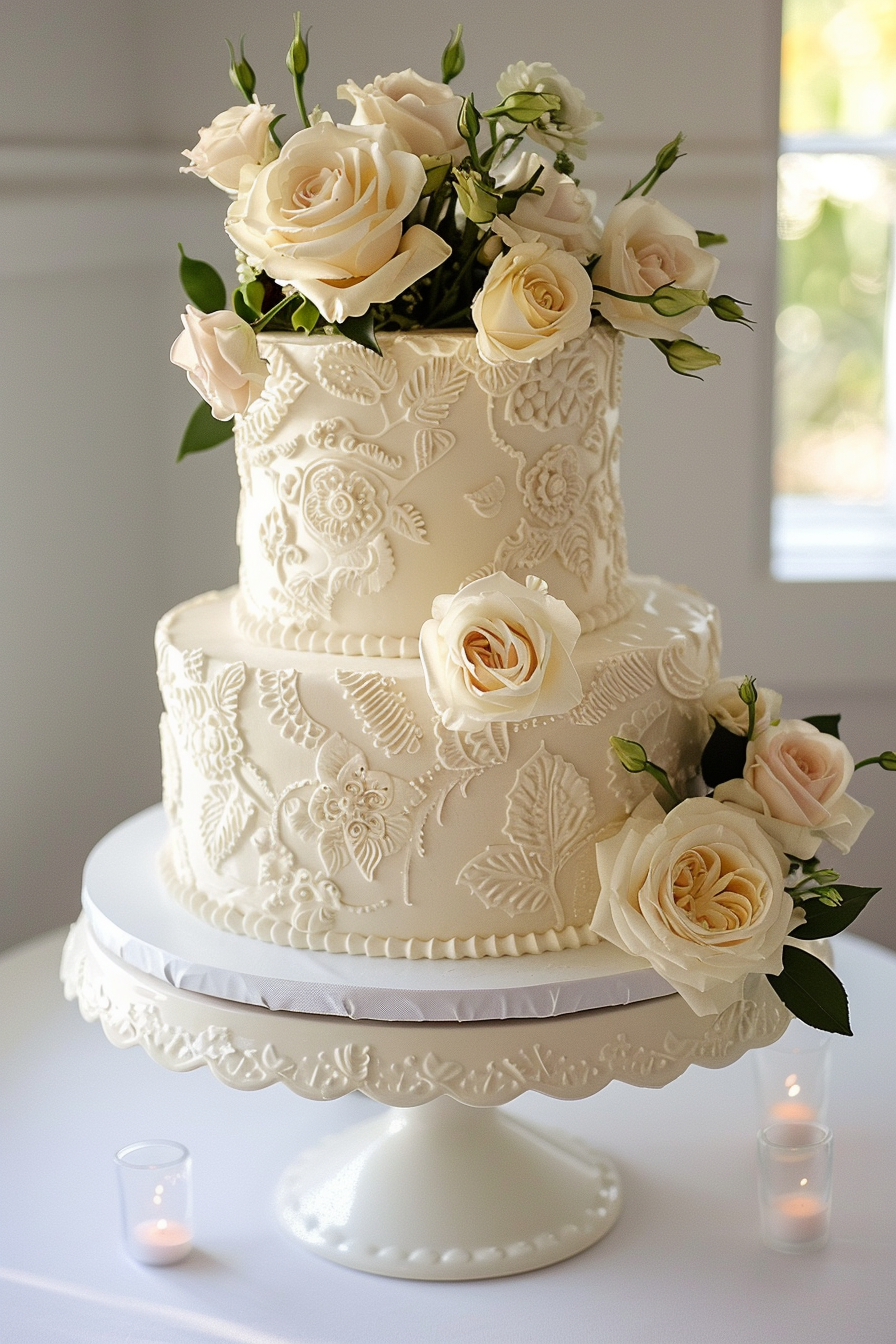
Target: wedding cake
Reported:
[(437, 717), (315, 797)]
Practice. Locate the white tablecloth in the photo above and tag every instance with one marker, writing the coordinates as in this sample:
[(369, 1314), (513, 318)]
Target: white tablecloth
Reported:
[(683, 1266)]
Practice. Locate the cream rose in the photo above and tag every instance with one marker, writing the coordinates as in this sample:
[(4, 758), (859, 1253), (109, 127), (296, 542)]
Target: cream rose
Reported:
[(535, 298), (237, 138), (699, 893), (326, 217), (645, 246), (221, 359), (565, 129), (422, 114), (795, 782), (563, 217), (499, 651), (723, 702)]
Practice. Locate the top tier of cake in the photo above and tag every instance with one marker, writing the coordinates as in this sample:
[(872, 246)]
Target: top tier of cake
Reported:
[(371, 484)]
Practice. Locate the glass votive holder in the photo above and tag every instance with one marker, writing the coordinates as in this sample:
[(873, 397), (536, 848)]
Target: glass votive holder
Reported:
[(155, 1183), (793, 1076), (795, 1178)]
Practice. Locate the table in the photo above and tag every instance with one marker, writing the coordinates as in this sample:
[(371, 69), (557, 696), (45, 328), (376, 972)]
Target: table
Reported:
[(683, 1264)]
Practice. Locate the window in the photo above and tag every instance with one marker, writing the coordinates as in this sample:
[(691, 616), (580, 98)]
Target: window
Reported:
[(834, 512)]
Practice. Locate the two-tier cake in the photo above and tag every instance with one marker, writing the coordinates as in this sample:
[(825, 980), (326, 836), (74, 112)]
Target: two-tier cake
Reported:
[(316, 796)]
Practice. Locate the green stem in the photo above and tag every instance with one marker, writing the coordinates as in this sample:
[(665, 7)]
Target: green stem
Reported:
[(469, 262), (272, 312), (662, 778)]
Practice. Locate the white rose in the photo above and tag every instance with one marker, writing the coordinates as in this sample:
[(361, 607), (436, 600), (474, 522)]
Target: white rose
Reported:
[(795, 782), (422, 114), (237, 138), (499, 651), (326, 217), (563, 130), (535, 298), (563, 217), (646, 246), (219, 353), (699, 893), (723, 702)]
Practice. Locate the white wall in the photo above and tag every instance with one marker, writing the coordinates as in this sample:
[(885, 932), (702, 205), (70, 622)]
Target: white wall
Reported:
[(102, 531)]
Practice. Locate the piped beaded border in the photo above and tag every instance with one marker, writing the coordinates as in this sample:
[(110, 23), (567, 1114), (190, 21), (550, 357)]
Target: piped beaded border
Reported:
[(268, 929)]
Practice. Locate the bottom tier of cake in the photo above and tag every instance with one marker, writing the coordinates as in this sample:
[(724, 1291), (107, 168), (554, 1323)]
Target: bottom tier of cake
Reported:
[(316, 801)]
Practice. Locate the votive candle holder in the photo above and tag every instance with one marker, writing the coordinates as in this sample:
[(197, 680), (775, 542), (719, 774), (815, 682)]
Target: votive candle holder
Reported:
[(795, 1183), (156, 1188), (793, 1076)]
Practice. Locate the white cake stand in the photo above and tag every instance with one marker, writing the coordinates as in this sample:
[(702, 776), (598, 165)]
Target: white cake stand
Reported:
[(437, 1191)]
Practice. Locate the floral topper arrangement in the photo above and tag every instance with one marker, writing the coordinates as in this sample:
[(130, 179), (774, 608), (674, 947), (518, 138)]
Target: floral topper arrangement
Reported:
[(710, 889), (425, 212)]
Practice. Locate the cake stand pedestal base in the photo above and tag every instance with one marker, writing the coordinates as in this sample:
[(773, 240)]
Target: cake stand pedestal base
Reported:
[(447, 1191)]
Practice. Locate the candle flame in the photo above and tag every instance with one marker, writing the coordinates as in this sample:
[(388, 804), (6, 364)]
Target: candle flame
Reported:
[(804, 1181), (793, 1091), (162, 1224)]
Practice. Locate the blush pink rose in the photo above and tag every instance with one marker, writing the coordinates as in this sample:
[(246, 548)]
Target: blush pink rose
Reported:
[(799, 772)]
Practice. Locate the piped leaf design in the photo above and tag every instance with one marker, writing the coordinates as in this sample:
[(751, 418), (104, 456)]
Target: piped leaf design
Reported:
[(550, 815), (381, 707), (280, 697), (616, 683), (474, 749), (488, 499), (430, 445), (350, 372), (507, 878), (432, 389), (527, 546), (550, 810), (407, 522), (575, 547), (225, 813)]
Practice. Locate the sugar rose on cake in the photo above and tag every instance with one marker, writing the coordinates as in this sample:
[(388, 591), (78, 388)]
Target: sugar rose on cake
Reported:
[(499, 651), (699, 893)]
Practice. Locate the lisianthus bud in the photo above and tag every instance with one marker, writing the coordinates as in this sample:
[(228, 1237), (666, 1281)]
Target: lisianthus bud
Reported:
[(631, 754), (468, 121), (478, 200), (242, 76), (453, 58), (728, 310), (297, 56), (670, 301), (526, 106), (686, 357)]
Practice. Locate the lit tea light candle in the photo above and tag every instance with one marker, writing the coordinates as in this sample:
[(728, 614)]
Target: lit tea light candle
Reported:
[(161, 1242), (795, 1170), (155, 1183), (791, 1110), (798, 1219)]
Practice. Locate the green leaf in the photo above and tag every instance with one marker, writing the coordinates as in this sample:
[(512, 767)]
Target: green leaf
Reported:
[(202, 284), (253, 293), (360, 330), (824, 921), (304, 318), (707, 239), (812, 992), (825, 723), (241, 307), (724, 757), (203, 431)]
